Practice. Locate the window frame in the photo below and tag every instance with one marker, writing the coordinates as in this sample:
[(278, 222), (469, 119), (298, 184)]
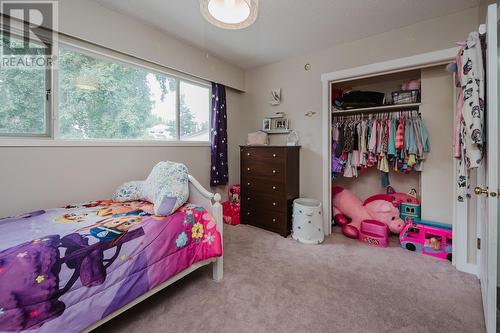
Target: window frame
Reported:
[(47, 103), (52, 138)]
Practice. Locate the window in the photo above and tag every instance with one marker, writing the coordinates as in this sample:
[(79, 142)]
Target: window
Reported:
[(25, 106), (102, 95), (101, 98), (194, 112)]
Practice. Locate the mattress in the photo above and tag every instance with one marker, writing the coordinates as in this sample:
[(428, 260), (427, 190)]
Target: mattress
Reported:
[(63, 269)]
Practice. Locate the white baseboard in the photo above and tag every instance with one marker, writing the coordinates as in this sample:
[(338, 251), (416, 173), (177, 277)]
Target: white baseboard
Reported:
[(468, 268)]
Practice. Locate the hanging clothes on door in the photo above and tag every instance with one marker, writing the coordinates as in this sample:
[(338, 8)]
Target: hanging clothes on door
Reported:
[(469, 121), (396, 141)]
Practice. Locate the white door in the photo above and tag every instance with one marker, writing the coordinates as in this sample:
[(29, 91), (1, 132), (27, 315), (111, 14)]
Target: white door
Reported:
[(488, 186)]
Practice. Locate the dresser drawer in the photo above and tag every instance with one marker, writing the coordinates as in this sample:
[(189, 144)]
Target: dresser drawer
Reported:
[(269, 171), (261, 186), (263, 202), (271, 220), (268, 155)]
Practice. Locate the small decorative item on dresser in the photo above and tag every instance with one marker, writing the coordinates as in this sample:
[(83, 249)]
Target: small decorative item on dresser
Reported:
[(257, 139), (266, 124), (279, 124), (292, 139), (275, 123), (269, 184), (307, 221)]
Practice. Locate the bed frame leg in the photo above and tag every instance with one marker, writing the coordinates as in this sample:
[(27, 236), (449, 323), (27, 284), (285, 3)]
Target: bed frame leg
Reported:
[(217, 269), (217, 214)]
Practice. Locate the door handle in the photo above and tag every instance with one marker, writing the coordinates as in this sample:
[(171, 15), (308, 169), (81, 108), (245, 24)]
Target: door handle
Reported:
[(479, 190)]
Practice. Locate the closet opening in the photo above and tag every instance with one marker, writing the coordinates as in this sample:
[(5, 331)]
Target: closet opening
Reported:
[(420, 91), (366, 181)]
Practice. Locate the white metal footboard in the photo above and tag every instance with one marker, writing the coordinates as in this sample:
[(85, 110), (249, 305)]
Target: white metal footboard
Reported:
[(198, 195)]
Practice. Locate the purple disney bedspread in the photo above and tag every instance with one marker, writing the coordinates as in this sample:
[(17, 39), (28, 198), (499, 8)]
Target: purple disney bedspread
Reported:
[(62, 270)]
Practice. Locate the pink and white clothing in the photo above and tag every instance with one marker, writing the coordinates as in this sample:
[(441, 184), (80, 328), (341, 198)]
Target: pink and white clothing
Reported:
[(469, 131)]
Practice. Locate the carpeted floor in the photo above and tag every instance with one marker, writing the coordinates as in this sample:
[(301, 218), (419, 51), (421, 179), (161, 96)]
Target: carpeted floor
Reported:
[(273, 284)]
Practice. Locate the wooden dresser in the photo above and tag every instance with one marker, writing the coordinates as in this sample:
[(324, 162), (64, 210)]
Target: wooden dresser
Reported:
[(269, 184)]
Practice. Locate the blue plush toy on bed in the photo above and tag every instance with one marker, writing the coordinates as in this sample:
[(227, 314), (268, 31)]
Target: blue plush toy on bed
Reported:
[(166, 187)]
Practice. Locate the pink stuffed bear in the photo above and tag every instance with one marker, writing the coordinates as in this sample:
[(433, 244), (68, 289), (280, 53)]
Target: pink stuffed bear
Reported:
[(378, 207)]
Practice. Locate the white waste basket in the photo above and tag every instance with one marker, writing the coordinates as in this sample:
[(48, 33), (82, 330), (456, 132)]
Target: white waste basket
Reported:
[(307, 221)]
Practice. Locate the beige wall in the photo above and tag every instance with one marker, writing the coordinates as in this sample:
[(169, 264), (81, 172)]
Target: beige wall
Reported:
[(437, 180), (37, 177), (90, 21), (302, 89)]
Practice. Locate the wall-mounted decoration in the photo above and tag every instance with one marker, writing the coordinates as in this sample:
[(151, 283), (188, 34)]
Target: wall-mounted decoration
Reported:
[(310, 113), (275, 97)]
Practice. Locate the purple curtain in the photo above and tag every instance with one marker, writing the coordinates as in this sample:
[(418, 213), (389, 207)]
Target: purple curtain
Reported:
[(218, 130)]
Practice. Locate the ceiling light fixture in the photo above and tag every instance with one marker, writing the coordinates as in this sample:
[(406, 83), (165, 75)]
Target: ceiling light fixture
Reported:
[(230, 14)]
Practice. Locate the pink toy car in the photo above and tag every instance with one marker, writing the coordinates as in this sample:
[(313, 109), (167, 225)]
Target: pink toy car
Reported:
[(430, 238), (374, 232)]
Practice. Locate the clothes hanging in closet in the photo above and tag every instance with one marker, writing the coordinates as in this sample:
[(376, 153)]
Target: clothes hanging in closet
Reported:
[(469, 121), (396, 141)]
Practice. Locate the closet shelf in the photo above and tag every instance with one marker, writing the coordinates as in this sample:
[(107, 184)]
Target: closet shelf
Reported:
[(384, 108)]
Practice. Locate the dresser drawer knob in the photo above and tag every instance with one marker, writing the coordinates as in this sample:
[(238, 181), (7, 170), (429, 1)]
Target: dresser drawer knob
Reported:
[(248, 154), (274, 220), (248, 184), (248, 213), (274, 187), (274, 203), (274, 155), (274, 171), (248, 169), (248, 198)]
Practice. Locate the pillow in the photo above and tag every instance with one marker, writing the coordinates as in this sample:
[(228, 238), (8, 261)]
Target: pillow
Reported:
[(167, 187), (129, 191)]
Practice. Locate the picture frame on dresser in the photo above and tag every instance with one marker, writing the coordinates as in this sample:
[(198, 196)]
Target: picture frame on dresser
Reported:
[(269, 184)]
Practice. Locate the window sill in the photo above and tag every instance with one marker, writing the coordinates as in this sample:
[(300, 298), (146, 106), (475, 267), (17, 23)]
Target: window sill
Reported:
[(41, 142)]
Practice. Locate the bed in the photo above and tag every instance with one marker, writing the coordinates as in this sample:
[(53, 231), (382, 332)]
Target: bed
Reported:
[(72, 269)]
